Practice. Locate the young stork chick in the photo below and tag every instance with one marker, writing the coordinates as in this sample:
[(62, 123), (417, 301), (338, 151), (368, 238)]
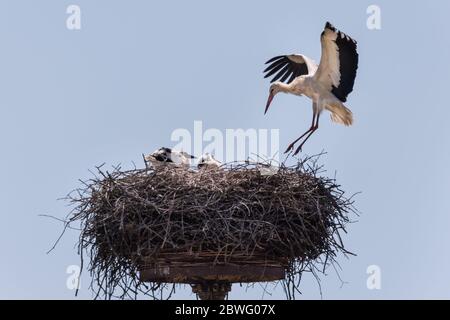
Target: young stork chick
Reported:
[(167, 156), (208, 161)]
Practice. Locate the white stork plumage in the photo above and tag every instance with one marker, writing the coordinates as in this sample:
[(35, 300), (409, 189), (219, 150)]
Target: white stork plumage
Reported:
[(207, 161), (167, 156), (327, 84)]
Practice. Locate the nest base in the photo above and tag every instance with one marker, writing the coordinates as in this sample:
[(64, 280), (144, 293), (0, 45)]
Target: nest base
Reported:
[(218, 273), (212, 282)]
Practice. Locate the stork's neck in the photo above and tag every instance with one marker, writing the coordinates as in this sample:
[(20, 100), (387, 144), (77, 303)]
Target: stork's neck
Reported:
[(283, 87), (287, 88)]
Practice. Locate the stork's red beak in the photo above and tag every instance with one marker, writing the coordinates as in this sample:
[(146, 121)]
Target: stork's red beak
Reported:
[(269, 101)]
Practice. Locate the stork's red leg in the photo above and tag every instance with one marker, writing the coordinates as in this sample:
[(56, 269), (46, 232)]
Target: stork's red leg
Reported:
[(291, 146), (314, 128)]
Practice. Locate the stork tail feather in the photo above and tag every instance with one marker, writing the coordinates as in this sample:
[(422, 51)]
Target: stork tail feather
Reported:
[(341, 114)]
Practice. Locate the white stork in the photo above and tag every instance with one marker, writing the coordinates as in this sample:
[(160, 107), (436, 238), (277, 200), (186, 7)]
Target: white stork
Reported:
[(327, 84), (208, 161), (164, 156)]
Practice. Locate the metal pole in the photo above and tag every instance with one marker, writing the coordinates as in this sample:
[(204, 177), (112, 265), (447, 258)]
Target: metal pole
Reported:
[(211, 290)]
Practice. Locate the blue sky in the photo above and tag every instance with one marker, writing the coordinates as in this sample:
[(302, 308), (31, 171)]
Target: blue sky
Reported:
[(137, 70)]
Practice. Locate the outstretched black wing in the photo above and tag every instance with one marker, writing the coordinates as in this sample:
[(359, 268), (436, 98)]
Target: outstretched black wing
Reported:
[(339, 62), (288, 67)]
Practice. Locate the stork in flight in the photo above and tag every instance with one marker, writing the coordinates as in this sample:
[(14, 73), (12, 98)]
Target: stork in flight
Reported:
[(327, 84)]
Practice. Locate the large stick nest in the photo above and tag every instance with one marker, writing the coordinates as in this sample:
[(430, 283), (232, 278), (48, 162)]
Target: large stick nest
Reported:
[(126, 217)]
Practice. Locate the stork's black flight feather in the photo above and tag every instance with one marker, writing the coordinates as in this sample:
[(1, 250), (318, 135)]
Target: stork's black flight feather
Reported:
[(348, 63), (287, 69)]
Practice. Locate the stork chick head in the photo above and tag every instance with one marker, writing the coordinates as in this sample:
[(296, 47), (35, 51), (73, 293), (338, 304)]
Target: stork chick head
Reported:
[(208, 161), (162, 155)]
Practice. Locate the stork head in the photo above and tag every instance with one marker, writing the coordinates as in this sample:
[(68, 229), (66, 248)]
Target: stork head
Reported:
[(275, 88), (162, 154), (208, 161)]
